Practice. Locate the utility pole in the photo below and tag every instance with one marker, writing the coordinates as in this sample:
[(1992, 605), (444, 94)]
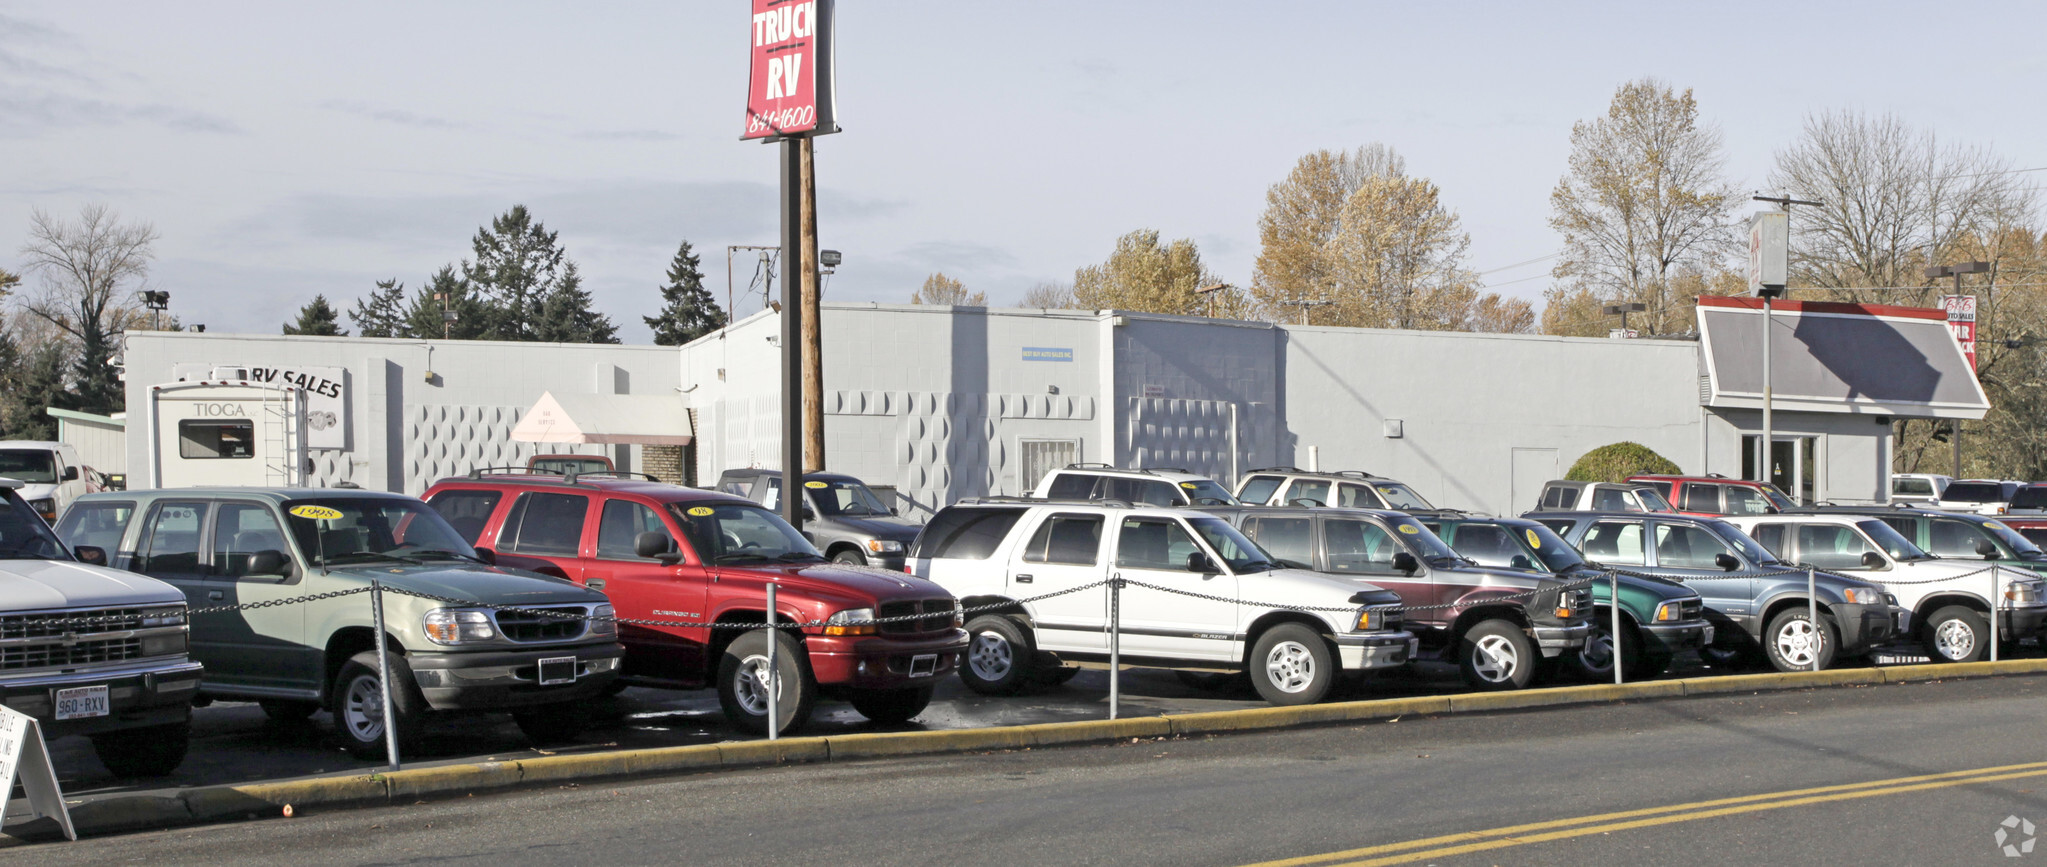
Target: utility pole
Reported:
[(813, 320), (1956, 271), (1304, 304)]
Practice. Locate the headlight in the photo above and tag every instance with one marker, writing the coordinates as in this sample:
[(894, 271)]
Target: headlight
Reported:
[(2022, 591), (1864, 596), (46, 507), (165, 645), (1377, 620), (163, 617), (457, 626), (884, 546), (1670, 612), (605, 626), (959, 614), (853, 621)]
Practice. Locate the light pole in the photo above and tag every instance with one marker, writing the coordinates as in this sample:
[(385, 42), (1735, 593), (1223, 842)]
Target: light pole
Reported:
[(1956, 271), (1207, 294), (1622, 310), (1770, 293), (1304, 304), (157, 302)]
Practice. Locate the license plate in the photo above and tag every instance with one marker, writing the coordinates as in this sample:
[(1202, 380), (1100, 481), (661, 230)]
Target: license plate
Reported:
[(81, 702), (924, 665), (557, 670)]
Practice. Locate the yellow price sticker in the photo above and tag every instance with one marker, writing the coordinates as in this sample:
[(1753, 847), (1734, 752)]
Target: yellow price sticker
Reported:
[(1189, 485), (816, 485), (1410, 529), (1534, 541), (316, 513), (702, 512)]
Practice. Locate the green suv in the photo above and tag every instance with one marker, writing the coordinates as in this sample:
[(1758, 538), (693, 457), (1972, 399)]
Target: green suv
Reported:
[(449, 648)]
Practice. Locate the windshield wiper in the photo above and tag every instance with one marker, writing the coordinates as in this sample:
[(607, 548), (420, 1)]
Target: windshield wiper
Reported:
[(432, 552), (737, 556), (796, 557), (376, 554), (1260, 566)]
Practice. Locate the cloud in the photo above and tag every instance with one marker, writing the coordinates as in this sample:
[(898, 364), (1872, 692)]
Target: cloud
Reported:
[(957, 255), (649, 135), (28, 116), (392, 115)]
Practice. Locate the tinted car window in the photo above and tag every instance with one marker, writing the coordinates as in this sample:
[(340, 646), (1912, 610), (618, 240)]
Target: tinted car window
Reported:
[(1153, 543), (1358, 546), (1399, 496), (1146, 491), (1702, 498), (173, 542), (620, 526), (1953, 538), (1652, 499), (545, 524), (1258, 489), (1553, 498), (964, 534), (1290, 539), (1830, 546), (100, 525), (1682, 546), (1612, 500), (1071, 486), (1070, 539), (2036, 535), (1770, 536), (1490, 545), (739, 532), (1559, 526), (1746, 501), (24, 536), (2030, 497), (1357, 497), (1617, 543), (1974, 492), (1914, 487), (239, 531), (372, 528), (1304, 489), (466, 511)]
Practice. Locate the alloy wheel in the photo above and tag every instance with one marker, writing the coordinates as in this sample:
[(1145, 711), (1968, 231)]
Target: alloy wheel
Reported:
[(1290, 666), (1495, 659), (362, 709), (1954, 639), (1798, 642), (991, 657)]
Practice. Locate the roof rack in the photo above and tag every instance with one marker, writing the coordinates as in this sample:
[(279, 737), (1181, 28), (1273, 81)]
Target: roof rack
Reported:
[(1276, 470), (1149, 468), (1043, 501), (622, 474), (479, 472), (1361, 474)]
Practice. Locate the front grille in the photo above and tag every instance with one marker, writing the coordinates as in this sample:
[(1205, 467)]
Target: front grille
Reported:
[(1691, 609), (56, 624), (61, 655), (529, 626), (931, 615)]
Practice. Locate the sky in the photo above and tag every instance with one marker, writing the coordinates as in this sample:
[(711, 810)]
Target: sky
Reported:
[(286, 149)]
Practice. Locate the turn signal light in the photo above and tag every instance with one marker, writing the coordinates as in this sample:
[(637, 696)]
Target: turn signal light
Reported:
[(857, 629)]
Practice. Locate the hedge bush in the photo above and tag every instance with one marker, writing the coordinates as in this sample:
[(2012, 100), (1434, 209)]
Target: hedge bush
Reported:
[(1617, 461)]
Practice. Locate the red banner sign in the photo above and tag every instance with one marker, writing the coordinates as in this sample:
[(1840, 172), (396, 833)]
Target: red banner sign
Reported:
[(789, 89), (1961, 319)]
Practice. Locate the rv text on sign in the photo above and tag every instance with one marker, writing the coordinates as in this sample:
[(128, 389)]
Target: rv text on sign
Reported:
[(789, 86)]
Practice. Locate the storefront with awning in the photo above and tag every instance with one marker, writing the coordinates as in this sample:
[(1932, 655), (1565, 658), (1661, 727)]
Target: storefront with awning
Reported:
[(610, 419)]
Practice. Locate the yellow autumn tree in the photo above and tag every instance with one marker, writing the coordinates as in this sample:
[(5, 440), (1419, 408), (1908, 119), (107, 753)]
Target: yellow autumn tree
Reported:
[(940, 289), (1144, 275)]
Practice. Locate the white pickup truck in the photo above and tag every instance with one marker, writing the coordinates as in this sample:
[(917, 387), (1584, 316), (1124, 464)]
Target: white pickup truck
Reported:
[(1236, 610), (93, 651)]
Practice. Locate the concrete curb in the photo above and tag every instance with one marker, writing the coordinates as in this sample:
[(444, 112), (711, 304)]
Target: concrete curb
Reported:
[(260, 800)]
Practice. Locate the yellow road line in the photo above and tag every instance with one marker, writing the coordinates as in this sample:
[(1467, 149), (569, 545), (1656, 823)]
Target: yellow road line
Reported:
[(1517, 835)]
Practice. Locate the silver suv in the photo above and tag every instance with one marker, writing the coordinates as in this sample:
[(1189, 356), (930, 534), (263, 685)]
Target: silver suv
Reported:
[(1151, 486), (1345, 489), (121, 677)]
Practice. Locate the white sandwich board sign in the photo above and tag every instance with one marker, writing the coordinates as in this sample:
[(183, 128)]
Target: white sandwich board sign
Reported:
[(24, 756)]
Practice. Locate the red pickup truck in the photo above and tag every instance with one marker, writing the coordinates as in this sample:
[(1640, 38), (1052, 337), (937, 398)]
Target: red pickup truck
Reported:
[(665, 552)]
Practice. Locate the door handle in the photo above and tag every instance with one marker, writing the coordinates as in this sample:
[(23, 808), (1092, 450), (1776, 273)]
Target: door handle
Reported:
[(594, 583), (1023, 579), (215, 595)]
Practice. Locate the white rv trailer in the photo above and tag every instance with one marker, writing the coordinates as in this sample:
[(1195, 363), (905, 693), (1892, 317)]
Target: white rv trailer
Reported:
[(225, 431)]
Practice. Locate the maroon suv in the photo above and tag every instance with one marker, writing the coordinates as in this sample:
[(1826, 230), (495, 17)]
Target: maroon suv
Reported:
[(664, 552)]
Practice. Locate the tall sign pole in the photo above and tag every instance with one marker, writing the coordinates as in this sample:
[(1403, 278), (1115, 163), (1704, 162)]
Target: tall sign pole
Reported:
[(1769, 271), (790, 99)]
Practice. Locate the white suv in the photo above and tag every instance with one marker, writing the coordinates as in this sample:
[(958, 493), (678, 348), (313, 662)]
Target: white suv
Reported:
[(1151, 486), (1944, 603), (1235, 610)]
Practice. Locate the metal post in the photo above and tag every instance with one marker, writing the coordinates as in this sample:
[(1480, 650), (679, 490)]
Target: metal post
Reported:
[(384, 673), (792, 332), (1763, 469), (1115, 643), (1614, 587), (1996, 607), (774, 669), (1812, 615), (1958, 473)]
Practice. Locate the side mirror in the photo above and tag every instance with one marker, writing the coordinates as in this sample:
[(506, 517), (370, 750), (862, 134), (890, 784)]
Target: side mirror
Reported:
[(92, 554), (892, 511), (1520, 561), (268, 562), (70, 474), (1726, 562), (653, 545), (1986, 549), (809, 515), (1405, 563), (489, 557), (1199, 562), (1872, 560)]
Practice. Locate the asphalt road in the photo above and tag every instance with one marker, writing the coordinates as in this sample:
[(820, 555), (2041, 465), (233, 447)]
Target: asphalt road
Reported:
[(1445, 790)]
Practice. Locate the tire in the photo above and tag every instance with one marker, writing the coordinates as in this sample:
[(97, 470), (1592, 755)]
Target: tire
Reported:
[(286, 711), (1787, 641), (1594, 661), (1292, 664), (1046, 671), (551, 724), (850, 557), (1496, 655), (999, 659), (1956, 634), (742, 689), (891, 706), (145, 752), (358, 706)]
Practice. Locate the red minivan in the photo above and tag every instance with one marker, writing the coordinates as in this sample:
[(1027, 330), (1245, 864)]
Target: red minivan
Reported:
[(665, 552)]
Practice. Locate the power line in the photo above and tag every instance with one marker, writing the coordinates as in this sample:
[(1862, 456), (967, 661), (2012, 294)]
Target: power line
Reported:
[(1512, 282), (1519, 264)]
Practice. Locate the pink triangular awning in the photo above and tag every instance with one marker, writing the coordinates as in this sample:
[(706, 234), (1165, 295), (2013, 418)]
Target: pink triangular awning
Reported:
[(660, 420)]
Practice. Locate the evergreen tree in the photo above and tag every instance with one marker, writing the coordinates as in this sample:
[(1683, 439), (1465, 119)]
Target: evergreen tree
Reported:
[(425, 317), (383, 313), (36, 382), (317, 318), (566, 317), (687, 309)]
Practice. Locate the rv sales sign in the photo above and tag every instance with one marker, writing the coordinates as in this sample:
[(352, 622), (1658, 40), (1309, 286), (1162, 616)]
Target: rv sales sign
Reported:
[(789, 89)]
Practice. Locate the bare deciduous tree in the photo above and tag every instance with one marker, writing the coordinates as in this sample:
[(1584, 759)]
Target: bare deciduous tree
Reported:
[(1646, 195), (940, 289), (1049, 296), (87, 270)]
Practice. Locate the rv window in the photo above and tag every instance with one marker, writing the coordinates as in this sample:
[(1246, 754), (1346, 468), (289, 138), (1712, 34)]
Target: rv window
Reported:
[(216, 439)]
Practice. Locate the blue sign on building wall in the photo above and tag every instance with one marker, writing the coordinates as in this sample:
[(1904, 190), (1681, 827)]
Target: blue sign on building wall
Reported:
[(1047, 353)]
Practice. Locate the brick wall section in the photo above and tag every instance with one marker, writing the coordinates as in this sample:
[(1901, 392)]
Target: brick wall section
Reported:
[(664, 463)]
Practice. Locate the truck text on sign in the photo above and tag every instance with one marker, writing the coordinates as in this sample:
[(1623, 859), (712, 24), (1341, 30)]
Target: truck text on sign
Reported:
[(789, 87), (1961, 319)]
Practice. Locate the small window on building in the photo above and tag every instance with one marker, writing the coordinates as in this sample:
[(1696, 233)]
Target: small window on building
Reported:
[(216, 439), (1043, 456)]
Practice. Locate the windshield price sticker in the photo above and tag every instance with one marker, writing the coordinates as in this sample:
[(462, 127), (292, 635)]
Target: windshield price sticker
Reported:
[(316, 513), (1409, 529), (1189, 485), (702, 512), (1534, 541), (816, 485)]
